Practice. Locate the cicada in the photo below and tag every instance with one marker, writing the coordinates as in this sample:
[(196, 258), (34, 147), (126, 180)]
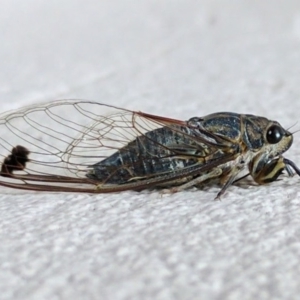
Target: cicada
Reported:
[(84, 146)]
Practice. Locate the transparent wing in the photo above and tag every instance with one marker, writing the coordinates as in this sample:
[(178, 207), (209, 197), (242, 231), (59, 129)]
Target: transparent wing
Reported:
[(53, 146)]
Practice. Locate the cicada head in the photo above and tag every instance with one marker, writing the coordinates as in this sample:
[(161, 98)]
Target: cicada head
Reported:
[(277, 139), (263, 135), (267, 165)]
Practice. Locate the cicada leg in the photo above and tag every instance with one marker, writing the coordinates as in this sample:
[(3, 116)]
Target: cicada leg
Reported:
[(289, 164), (229, 179), (265, 172), (213, 174)]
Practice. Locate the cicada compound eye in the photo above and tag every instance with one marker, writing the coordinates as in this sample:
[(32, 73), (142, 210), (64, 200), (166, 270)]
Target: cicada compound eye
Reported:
[(274, 134)]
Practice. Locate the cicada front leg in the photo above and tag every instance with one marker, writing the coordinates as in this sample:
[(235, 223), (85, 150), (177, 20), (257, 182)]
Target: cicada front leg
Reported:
[(264, 170)]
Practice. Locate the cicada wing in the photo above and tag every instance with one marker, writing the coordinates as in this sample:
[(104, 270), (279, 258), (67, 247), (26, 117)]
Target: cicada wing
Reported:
[(52, 146)]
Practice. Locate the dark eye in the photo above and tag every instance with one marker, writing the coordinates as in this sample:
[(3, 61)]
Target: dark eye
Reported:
[(274, 134)]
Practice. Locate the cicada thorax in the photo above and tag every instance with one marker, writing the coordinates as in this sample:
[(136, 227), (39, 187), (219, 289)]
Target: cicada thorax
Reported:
[(252, 133), (258, 144), (224, 124)]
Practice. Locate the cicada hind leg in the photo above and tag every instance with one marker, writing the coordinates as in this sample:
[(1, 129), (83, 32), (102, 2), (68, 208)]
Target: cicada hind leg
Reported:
[(194, 182)]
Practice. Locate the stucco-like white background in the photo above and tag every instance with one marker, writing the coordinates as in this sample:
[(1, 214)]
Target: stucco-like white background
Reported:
[(174, 58)]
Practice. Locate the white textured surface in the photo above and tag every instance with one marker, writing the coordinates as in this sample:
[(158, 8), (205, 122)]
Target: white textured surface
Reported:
[(174, 58)]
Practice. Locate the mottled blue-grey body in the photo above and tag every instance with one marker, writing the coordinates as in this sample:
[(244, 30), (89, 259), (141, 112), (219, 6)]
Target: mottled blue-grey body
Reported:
[(201, 141)]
